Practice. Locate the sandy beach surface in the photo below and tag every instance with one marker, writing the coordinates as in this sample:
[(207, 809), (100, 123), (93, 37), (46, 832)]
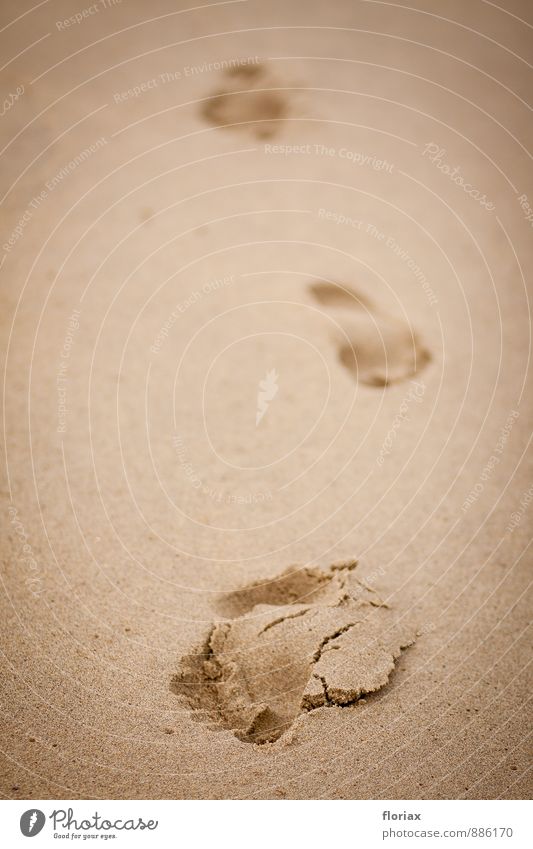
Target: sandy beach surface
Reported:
[(266, 491)]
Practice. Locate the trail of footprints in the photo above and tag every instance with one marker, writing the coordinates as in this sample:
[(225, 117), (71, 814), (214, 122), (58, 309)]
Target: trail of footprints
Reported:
[(308, 639), (377, 348)]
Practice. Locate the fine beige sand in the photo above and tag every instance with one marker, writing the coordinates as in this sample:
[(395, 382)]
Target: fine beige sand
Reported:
[(265, 329)]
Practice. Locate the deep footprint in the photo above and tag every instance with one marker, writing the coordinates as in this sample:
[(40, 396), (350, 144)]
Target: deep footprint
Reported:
[(247, 101), (306, 640), (378, 349)]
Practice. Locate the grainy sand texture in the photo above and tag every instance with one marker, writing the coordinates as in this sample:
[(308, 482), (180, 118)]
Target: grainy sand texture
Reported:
[(265, 332)]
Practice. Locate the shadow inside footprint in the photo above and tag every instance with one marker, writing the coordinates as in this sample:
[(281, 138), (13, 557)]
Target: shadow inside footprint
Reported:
[(299, 585), (377, 348), (311, 638), (248, 101)]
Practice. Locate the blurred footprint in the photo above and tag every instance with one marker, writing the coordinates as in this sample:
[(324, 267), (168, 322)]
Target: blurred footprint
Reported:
[(247, 101), (377, 348)]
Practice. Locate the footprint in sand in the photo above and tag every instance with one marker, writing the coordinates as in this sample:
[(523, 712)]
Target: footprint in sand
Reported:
[(248, 100), (307, 639), (377, 348)]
